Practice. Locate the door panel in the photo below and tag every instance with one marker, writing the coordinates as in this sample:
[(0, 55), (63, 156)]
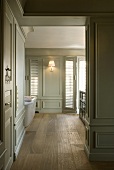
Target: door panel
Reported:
[(8, 87), (2, 127)]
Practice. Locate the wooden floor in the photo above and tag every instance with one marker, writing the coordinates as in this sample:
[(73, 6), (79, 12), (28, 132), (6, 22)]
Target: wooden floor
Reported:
[(56, 142)]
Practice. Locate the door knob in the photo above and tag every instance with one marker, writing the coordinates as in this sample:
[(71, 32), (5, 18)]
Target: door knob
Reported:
[(6, 104)]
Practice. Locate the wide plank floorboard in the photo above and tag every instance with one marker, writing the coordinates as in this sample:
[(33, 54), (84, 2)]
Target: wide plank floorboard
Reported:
[(56, 142)]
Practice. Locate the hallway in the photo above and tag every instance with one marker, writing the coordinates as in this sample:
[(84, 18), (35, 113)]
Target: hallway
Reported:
[(56, 142)]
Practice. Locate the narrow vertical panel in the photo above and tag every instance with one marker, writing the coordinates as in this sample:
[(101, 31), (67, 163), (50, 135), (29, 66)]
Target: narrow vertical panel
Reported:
[(11, 51), (20, 69), (34, 77), (8, 139), (104, 68), (19, 88), (69, 78), (51, 80), (87, 71)]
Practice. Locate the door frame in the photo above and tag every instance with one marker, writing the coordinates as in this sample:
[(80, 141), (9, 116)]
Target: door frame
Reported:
[(2, 70), (79, 58), (65, 109)]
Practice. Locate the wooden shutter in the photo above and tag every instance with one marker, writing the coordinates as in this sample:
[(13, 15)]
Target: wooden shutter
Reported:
[(69, 84), (34, 77)]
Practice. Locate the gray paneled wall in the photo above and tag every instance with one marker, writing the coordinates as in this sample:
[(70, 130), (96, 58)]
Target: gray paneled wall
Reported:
[(49, 97), (13, 74), (100, 111)]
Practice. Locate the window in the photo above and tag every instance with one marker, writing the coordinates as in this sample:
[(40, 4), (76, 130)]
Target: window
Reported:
[(81, 78), (82, 75), (34, 77), (69, 84)]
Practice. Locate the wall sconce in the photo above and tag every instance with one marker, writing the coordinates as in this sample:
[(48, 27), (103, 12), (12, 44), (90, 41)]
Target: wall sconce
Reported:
[(51, 65)]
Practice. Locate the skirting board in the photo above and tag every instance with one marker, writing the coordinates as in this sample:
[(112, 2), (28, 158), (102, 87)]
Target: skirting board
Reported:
[(99, 156), (19, 146)]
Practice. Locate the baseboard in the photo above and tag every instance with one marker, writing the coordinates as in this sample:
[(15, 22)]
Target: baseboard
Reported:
[(99, 156), (19, 146)]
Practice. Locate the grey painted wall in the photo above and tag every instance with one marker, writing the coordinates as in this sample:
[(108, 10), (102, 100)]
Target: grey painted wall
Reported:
[(49, 99), (50, 96), (100, 90), (97, 127)]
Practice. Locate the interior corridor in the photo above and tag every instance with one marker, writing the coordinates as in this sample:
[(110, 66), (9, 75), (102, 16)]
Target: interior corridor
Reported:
[(56, 142)]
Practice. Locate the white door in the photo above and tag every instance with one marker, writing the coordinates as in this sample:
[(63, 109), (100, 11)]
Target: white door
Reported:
[(8, 87), (2, 126)]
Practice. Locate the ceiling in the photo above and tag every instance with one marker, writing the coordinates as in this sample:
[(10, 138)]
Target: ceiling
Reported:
[(72, 37), (49, 31), (57, 24), (34, 7)]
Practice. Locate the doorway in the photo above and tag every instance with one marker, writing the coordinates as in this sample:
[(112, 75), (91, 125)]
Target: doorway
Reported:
[(74, 82), (68, 43), (81, 78)]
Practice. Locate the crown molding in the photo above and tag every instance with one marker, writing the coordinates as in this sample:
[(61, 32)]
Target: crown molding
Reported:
[(20, 7)]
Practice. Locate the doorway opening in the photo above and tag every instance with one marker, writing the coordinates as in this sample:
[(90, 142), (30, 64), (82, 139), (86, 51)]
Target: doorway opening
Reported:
[(66, 46), (75, 81)]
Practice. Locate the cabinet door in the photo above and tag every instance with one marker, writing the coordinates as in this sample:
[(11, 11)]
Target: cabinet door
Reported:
[(2, 140), (8, 85)]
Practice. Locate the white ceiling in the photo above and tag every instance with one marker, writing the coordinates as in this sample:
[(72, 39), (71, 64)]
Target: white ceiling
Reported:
[(56, 37)]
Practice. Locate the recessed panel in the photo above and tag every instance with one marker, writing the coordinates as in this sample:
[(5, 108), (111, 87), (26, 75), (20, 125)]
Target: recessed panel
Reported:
[(51, 104), (20, 71), (104, 140), (8, 140), (51, 79), (19, 132), (104, 68)]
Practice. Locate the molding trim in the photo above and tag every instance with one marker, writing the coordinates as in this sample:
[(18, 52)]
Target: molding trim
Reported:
[(107, 135), (99, 156), (3, 153), (65, 14), (26, 30), (56, 104), (18, 30), (20, 7), (19, 115), (19, 145)]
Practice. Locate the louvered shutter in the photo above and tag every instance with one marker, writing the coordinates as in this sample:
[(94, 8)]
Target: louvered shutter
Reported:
[(69, 84), (34, 77)]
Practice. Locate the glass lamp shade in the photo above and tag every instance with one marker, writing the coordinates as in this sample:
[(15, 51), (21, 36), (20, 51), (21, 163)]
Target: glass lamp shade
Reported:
[(51, 63)]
